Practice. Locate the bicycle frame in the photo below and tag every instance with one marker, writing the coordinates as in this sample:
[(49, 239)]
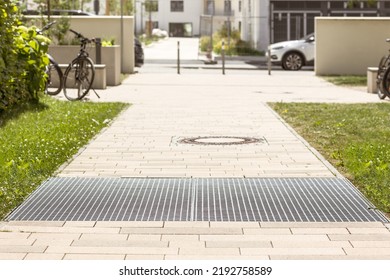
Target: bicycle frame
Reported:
[(83, 70), (383, 75)]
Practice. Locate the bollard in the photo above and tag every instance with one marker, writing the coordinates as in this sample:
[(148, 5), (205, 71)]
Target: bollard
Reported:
[(98, 44), (178, 57), (223, 58), (269, 61)]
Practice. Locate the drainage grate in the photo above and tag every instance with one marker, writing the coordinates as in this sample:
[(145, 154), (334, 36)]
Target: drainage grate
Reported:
[(198, 199)]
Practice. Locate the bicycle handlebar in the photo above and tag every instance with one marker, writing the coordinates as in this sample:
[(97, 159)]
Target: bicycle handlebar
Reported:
[(80, 36), (76, 33), (46, 27)]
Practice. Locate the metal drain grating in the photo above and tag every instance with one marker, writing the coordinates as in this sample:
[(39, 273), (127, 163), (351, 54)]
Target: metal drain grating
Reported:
[(107, 199), (198, 199)]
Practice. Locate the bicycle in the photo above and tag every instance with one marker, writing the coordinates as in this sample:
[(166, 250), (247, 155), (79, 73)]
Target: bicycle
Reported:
[(383, 76), (53, 70), (80, 73)]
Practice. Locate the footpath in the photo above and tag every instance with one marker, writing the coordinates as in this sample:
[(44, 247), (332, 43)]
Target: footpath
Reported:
[(144, 142)]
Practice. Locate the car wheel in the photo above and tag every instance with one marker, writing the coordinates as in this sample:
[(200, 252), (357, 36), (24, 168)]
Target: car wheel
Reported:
[(292, 61)]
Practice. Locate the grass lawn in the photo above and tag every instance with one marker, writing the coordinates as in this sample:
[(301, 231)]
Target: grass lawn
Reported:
[(35, 139), (353, 137), (347, 80)]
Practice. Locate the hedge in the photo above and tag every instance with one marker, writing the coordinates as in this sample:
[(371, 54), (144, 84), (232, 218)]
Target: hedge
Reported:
[(23, 58)]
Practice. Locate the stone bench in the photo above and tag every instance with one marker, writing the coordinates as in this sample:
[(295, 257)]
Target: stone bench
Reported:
[(371, 79), (100, 76)]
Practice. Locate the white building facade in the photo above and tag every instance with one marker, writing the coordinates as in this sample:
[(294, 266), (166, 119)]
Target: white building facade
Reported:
[(180, 18), (188, 18), (251, 18)]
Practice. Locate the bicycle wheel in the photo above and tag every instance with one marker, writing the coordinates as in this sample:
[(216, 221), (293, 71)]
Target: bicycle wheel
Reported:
[(78, 78), (379, 77), (54, 80), (386, 83)]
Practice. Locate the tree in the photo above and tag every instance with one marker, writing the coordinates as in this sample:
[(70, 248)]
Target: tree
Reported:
[(113, 7), (150, 7)]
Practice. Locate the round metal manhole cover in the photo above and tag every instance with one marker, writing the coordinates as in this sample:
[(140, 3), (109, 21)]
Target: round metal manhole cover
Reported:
[(220, 140)]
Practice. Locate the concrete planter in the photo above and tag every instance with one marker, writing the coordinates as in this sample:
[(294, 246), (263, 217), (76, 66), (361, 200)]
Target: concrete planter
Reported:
[(111, 57)]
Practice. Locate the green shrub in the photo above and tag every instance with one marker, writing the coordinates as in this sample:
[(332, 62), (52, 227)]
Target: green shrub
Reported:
[(22, 58), (204, 43), (31, 49), (108, 42), (230, 48), (244, 48), (233, 43), (8, 60)]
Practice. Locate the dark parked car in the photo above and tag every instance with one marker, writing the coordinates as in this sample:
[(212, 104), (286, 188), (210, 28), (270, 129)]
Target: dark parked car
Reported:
[(138, 53)]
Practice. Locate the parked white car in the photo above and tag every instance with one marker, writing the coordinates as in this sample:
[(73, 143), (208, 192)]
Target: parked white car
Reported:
[(292, 55)]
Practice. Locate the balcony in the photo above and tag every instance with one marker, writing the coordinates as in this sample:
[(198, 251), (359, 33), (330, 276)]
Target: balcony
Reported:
[(221, 13)]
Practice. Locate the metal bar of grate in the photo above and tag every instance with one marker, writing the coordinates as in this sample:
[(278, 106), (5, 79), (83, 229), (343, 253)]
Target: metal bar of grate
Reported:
[(197, 199)]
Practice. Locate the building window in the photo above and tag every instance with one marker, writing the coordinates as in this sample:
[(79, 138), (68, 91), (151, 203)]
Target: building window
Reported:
[(228, 7), (313, 5), (239, 6), (337, 5), (177, 6), (210, 7), (178, 29)]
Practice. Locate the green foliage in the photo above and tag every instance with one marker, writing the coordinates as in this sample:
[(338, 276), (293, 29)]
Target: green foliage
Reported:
[(244, 48), (147, 40), (31, 50), (59, 30), (232, 42), (224, 33), (356, 3), (22, 58), (29, 156), (222, 37), (204, 43), (108, 42), (115, 7), (151, 6), (8, 59), (353, 137)]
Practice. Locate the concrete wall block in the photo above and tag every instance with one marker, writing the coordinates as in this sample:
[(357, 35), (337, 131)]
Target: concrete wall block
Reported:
[(349, 45)]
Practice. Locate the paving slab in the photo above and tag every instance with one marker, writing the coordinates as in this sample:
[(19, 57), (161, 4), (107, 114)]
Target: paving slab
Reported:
[(240, 241)]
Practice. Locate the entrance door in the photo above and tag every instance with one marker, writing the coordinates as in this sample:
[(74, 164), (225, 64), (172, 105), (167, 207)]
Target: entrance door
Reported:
[(292, 26)]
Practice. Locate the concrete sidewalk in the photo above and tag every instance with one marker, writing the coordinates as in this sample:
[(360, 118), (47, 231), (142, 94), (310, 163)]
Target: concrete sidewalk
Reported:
[(143, 142), (168, 108)]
